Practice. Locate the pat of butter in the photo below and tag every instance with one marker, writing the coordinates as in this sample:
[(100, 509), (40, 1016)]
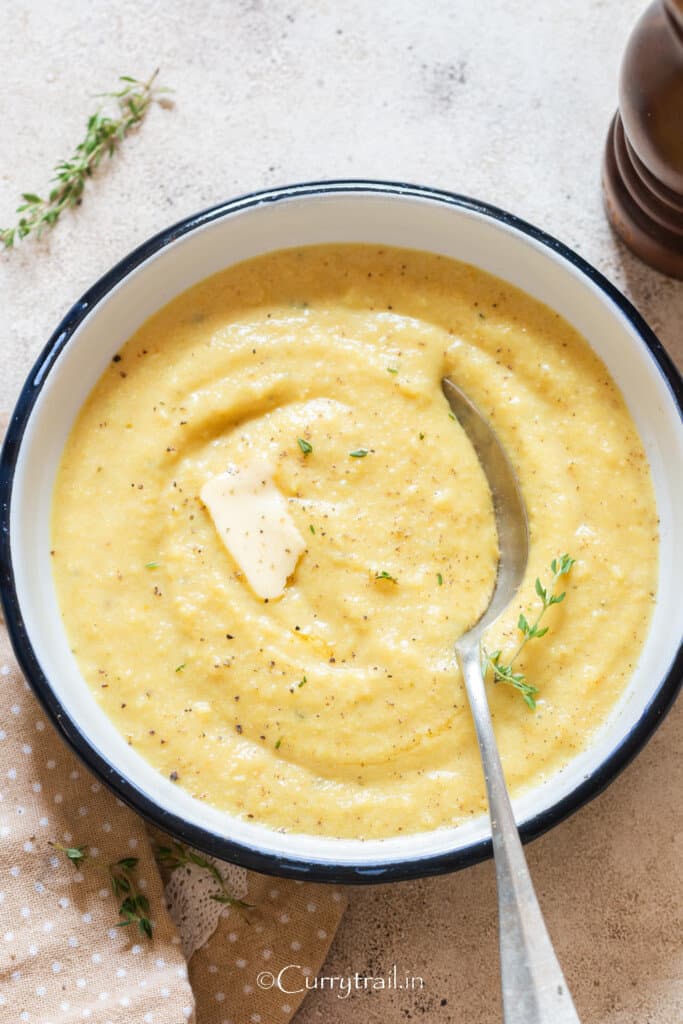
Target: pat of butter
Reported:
[(253, 521)]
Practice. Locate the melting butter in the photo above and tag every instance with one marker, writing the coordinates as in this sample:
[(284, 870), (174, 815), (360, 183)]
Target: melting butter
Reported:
[(252, 519)]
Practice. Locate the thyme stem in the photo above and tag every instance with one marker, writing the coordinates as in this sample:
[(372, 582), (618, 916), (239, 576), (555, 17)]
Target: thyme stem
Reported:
[(134, 905), (503, 671), (177, 855), (103, 136)]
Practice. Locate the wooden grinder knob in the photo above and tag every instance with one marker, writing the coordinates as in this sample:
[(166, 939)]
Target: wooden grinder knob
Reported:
[(643, 167)]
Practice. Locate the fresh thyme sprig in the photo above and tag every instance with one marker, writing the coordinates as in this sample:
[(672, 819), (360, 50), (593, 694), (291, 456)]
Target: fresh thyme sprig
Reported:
[(504, 672), (134, 908), (103, 135), (134, 905), (177, 856)]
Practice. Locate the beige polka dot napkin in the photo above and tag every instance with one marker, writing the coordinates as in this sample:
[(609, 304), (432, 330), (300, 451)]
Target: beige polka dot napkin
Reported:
[(63, 958)]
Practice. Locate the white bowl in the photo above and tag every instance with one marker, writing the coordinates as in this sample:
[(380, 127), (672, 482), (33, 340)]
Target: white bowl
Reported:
[(100, 322)]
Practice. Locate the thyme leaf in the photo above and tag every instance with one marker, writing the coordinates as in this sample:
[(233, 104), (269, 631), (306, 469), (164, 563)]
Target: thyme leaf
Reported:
[(76, 854)]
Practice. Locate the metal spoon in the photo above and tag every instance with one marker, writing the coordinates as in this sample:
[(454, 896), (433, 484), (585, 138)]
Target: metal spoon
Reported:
[(534, 989)]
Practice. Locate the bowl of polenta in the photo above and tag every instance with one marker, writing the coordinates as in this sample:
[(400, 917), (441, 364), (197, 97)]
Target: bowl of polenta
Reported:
[(242, 530)]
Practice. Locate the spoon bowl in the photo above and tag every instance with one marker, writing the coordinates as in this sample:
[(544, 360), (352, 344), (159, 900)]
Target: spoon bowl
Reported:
[(508, 505)]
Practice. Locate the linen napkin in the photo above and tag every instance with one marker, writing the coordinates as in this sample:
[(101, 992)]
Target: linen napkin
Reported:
[(63, 956)]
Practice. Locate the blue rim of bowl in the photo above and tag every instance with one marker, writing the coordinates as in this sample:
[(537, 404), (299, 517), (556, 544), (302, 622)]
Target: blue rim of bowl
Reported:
[(227, 849)]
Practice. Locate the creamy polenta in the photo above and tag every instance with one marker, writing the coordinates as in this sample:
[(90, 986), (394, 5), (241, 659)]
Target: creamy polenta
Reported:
[(337, 708)]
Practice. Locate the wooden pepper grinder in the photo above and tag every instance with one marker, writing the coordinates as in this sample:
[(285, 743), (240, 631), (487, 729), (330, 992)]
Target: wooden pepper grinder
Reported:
[(643, 167)]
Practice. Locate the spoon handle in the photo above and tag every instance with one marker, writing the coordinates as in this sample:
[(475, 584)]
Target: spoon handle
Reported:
[(534, 988)]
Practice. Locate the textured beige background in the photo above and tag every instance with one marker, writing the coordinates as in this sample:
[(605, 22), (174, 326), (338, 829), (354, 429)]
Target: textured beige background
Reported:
[(508, 101)]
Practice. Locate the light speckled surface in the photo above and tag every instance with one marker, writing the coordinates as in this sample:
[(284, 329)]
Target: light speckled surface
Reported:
[(510, 105)]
